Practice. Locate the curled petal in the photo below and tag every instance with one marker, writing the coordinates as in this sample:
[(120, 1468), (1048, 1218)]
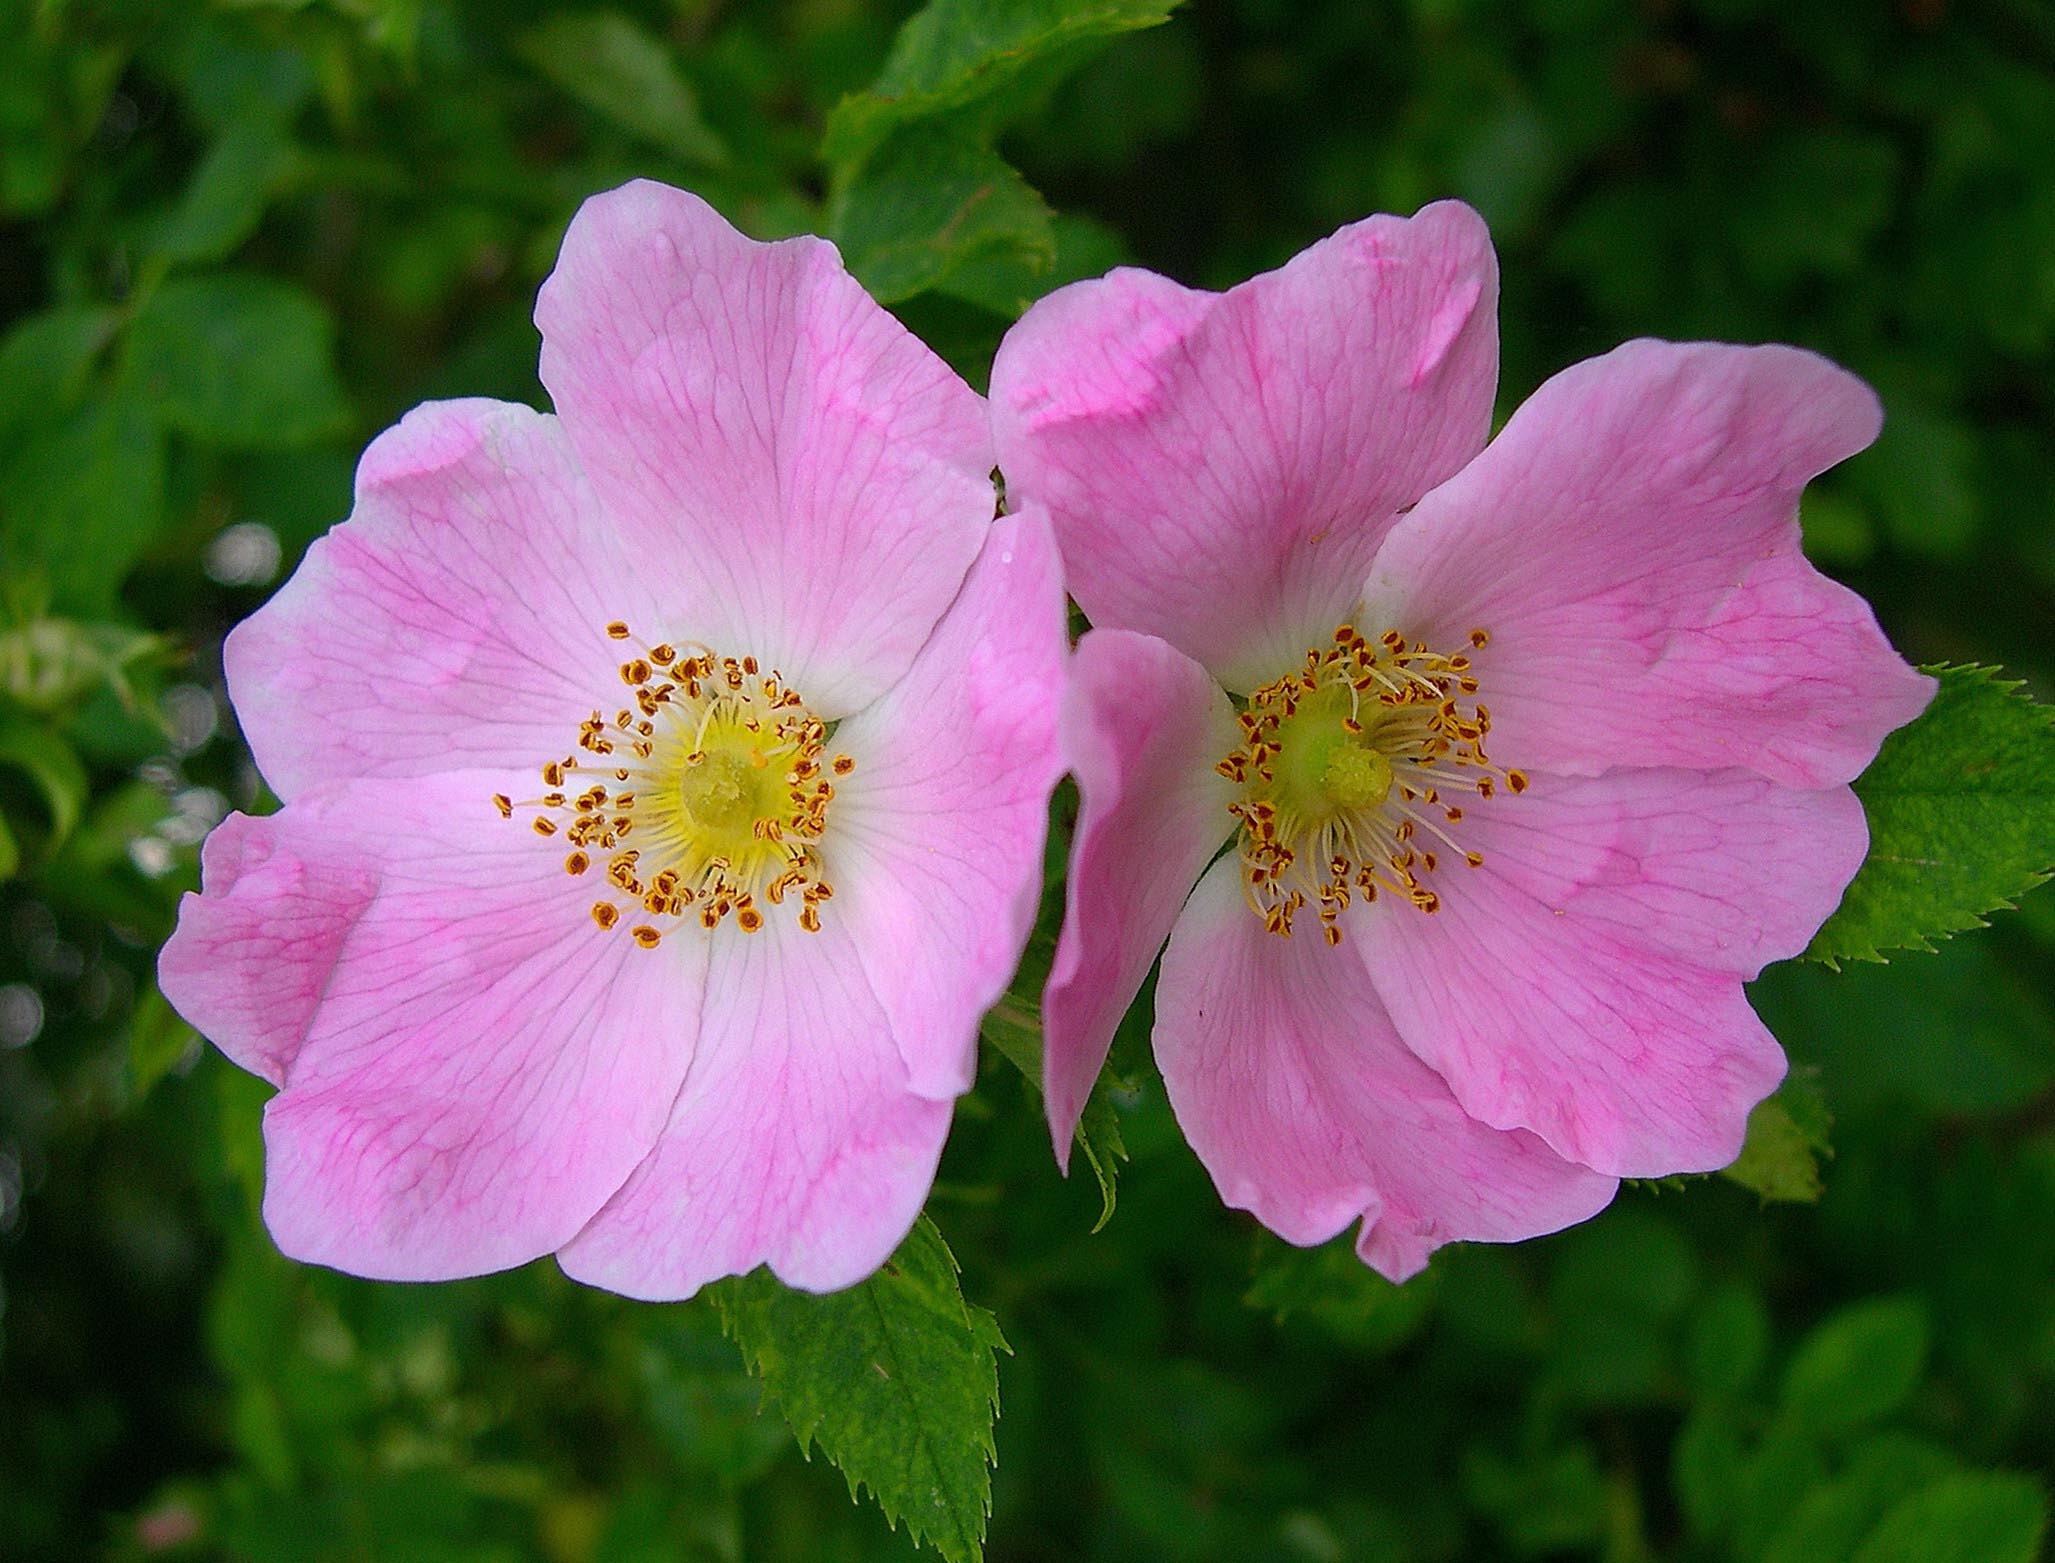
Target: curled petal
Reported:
[(1143, 726), (936, 856)]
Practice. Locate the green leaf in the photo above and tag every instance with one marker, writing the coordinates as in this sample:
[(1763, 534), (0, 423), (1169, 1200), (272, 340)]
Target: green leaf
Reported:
[(1831, 1521), (610, 64), (1859, 1366), (1787, 1136), (225, 200), (1984, 1517), (1331, 1287), (48, 665), (1920, 478), (239, 360), (1725, 1342), (896, 1380), (157, 1039), (1014, 1027), (1707, 1467), (45, 360), (930, 203), (1773, 1482), (47, 760), (1005, 282), (956, 54), (80, 498), (1961, 808), (1957, 1032)]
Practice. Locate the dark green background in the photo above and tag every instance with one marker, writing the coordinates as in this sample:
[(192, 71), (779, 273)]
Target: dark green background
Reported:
[(237, 240)]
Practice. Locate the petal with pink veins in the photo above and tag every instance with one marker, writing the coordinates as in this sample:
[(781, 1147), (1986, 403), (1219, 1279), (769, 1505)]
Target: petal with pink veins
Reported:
[(1291, 1084), (796, 1142), (1725, 869), (1618, 1053), (936, 836), (1143, 727), (780, 455), (1222, 467), (470, 1067), (457, 619), (1630, 542)]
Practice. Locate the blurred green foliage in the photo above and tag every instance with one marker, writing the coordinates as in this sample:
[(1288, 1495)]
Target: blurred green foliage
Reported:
[(237, 238)]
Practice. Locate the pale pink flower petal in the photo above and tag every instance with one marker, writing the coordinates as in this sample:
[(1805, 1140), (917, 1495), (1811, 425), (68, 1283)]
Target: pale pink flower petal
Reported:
[(1221, 467), (450, 623), (797, 1141), (939, 830), (1143, 725), (1299, 1097), (788, 464), (1636, 1062), (1724, 869), (1630, 541), (560, 715), (469, 1066)]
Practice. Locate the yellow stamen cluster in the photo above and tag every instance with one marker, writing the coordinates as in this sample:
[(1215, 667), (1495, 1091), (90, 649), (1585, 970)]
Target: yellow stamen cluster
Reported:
[(705, 799), (1348, 768)]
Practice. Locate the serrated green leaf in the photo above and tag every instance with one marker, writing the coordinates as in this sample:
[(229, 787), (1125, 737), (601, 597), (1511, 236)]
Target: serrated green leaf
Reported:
[(239, 360), (896, 1380), (1787, 1136), (929, 203), (1980, 1517), (610, 64), (953, 55), (1961, 807), (1858, 1366)]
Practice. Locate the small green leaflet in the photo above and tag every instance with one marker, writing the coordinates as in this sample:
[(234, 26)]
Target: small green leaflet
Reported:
[(1977, 1517), (1961, 807), (896, 1380), (1014, 1027), (918, 192), (1857, 1367), (961, 54), (608, 62), (239, 359), (929, 203), (1787, 1136), (1331, 1288)]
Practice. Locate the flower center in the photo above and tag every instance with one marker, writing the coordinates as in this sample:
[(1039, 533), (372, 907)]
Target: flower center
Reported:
[(1348, 767), (717, 774)]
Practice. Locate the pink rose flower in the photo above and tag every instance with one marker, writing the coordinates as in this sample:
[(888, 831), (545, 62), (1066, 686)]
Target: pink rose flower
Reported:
[(665, 788), (1536, 751)]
